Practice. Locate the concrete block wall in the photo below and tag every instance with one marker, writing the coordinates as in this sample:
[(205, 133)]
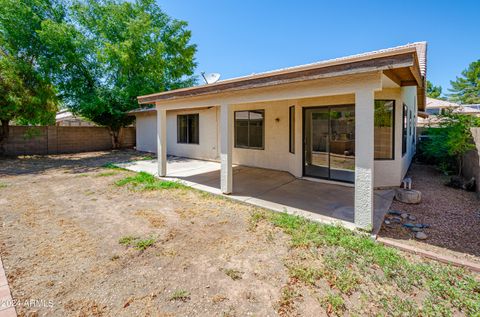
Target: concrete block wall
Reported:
[(43, 140), (471, 160)]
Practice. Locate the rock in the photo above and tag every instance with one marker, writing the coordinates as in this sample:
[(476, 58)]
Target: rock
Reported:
[(396, 219), (387, 222), (415, 229), (394, 212), (404, 215), (409, 225), (408, 196), (412, 218), (420, 235)]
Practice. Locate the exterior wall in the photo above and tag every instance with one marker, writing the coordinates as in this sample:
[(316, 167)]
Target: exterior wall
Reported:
[(45, 140), (276, 152), (207, 148), (146, 126)]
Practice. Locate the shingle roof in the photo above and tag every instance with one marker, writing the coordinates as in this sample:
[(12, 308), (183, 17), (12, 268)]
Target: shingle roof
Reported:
[(419, 48)]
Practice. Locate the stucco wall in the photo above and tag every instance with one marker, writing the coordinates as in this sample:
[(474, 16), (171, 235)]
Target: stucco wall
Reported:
[(146, 125), (208, 135)]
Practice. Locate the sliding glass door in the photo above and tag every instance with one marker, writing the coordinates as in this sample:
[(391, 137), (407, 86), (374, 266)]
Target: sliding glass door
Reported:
[(329, 142)]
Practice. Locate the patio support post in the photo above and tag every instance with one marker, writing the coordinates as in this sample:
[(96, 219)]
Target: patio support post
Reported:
[(226, 137), (162, 142), (364, 158)]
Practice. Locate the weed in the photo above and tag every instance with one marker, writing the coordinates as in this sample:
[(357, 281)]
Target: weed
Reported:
[(256, 216), (333, 303), (145, 181), (106, 174), (3, 185), (233, 274), (145, 243), (127, 240), (287, 299), (111, 166), (180, 294)]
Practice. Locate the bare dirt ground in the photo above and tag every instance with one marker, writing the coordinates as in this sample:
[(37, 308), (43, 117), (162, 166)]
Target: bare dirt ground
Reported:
[(452, 214), (62, 220)]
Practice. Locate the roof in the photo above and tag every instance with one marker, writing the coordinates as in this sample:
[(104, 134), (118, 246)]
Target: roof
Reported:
[(141, 110), (384, 59), (433, 103)]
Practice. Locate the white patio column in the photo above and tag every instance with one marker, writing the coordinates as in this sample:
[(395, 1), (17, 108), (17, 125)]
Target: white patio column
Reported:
[(364, 158), (226, 138), (162, 142)]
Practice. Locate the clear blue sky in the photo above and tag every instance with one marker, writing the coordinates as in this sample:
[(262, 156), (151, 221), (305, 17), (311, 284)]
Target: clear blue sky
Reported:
[(241, 37)]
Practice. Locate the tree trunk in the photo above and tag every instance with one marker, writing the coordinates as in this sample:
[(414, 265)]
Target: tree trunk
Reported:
[(115, 135), (4, 133)]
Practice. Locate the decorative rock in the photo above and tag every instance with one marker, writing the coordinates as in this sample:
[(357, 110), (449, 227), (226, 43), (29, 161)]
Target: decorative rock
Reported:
[(409, 225), (404, 215), (412, 218), (420, 235), (396, 219), (387, 222), (415, 229), (408, 196), (394, 212)]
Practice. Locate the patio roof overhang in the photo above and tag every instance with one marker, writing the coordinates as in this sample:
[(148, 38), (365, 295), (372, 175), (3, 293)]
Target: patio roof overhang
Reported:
[(404, 65)]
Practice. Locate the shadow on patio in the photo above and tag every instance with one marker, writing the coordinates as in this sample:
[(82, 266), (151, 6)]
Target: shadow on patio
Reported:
[(271, 189)]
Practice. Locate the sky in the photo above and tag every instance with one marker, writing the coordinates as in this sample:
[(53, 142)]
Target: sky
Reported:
[(236, 38)]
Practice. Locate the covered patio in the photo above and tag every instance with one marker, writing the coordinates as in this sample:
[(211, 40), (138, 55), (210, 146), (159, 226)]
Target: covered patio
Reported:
[(271, 189)]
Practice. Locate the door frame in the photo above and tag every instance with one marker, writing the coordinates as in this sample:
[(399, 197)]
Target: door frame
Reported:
[(329, 135)]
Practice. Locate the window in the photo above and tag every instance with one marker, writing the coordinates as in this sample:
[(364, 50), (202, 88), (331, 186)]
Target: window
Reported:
[(384, 129), (187, 128), (249, 129), (404, 128), (291, 146)]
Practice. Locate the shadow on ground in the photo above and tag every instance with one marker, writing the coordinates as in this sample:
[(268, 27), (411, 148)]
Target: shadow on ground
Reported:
[(72, 163)]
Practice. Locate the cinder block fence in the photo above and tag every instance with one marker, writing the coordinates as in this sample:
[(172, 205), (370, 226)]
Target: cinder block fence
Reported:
[(25, 140)]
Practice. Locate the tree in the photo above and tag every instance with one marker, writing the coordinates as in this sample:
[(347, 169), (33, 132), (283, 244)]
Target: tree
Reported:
[(113, 51), (26, 93), (466, 88), (449, 142), (433, 91)]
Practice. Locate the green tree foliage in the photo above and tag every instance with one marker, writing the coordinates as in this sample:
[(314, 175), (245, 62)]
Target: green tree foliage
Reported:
[(433, 91), (26, 92), (112, 51), (466, 88), (448, 143)]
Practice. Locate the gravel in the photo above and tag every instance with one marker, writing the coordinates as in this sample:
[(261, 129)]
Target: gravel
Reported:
[(452, 215)]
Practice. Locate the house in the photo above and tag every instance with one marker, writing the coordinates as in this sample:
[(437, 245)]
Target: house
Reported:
[(348, 120), (434, 107), (65, 118)]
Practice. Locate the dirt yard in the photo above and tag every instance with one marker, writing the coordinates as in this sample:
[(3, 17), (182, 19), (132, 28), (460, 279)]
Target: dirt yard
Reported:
[(81, 245), (452, 214)]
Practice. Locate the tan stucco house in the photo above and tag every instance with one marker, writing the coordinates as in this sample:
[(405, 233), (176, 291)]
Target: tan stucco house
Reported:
[(349, 121)]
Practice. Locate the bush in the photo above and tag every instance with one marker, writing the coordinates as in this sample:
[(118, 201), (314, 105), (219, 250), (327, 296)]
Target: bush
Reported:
[(446, 144)]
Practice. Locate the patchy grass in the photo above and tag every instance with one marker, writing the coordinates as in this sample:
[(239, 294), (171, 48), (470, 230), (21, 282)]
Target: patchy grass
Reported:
[(181, 295), (233, 274), (144, 181), (139, 244), (127, 240), (106, 174), (2, 185), (111, 166), (352, 262)]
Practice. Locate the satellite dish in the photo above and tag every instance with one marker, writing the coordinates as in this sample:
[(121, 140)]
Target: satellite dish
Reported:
[(210, 78)]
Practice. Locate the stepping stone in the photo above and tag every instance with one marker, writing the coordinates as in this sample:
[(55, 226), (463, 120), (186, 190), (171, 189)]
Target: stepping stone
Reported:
[(421, 235)]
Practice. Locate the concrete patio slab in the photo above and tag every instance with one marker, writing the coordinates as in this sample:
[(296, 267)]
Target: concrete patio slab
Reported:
[(271, 189)]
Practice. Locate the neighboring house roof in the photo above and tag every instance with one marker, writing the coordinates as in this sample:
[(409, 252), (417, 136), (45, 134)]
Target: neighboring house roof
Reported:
[(66, 118), (409, 60), (433, 103)]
